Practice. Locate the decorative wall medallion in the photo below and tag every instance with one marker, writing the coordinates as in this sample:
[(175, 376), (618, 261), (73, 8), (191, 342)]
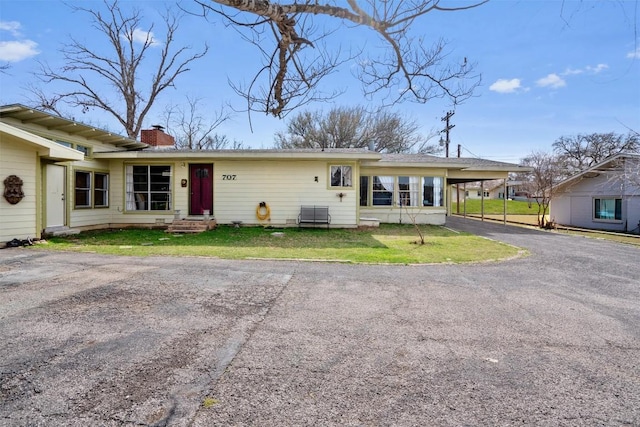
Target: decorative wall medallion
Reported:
[(13, 189)]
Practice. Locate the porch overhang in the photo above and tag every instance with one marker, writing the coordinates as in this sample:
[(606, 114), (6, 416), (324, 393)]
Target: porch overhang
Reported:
[(46, 149)]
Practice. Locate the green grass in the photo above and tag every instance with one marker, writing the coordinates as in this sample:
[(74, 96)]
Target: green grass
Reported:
[(495, 207), (391, 243)]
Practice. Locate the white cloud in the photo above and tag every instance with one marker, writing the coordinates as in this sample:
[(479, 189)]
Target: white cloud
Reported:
[(141, 36), (597, 69), (634, 54), (15, 51), (572, 72), (12, 26), (552, 80), (505, 86)]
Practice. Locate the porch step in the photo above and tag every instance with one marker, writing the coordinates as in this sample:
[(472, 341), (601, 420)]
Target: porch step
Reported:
[(191, 225), (60, 231), (369, 222)]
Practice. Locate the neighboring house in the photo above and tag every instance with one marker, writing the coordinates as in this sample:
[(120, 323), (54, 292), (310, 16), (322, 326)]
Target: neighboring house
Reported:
[(494, 189), (77, 177), (605, 196)]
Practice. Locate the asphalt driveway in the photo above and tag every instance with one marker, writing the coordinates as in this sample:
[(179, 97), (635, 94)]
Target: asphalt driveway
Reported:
[(551, 339)]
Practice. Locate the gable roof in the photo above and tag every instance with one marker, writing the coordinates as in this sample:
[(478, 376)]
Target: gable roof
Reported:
[(608, 165), (30, 116), (46, 148)]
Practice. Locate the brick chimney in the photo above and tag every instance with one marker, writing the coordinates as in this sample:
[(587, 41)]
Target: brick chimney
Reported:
[(157, 138)]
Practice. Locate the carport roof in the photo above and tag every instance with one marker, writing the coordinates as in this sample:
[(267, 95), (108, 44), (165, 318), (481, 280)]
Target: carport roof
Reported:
[(471, 164)]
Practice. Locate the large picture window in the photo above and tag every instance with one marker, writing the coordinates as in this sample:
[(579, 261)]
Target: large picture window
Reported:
[(148, 187), (409, 191), (341, 176), (608, 209)]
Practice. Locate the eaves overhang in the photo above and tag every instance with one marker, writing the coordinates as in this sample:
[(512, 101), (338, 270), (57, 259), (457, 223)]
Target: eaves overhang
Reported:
[(241, 155), (46, 148), (25, 117)]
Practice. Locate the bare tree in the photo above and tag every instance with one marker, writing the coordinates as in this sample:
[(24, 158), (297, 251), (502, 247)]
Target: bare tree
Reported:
[(296, 60), (354, 127), (192, 130), (87, 68), (580, 152), (546, 172)]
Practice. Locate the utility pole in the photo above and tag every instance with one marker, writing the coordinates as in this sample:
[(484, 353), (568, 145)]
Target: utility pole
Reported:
[(446, 130)]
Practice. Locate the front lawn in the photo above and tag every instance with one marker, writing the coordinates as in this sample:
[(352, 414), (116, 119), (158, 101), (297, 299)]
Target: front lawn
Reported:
[(496, 207), (391, 243)]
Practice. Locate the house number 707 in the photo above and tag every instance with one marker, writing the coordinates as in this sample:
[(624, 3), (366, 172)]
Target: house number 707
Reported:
[(228, 177)]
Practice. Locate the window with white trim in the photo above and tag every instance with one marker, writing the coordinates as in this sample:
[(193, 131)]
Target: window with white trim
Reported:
[(607, 209), (148, 187)]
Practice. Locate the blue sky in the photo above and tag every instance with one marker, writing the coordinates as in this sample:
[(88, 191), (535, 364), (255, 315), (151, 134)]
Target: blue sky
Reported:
[(549, 69)]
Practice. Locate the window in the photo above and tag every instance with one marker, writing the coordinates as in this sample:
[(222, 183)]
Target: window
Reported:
[(364, 191), (432, 191), (65, 143), (608, 209), (382, 191), (408, 190), (91, 189), (148, 187), (101, 190), (83, 149), (341, 176), (82, 190)]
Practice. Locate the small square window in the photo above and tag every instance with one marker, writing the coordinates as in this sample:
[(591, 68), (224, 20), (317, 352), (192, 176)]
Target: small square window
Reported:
[(341, 176)]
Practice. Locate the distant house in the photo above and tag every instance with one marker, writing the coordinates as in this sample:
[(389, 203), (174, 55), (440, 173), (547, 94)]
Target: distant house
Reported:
[(494, 189), (63, 175), (605, 196)]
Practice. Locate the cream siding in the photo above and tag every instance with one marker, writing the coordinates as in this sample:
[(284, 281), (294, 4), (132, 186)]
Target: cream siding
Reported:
[(84, 217), (284, 186), (19, 220)]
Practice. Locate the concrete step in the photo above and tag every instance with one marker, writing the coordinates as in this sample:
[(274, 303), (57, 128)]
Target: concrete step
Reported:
[(191, 226)]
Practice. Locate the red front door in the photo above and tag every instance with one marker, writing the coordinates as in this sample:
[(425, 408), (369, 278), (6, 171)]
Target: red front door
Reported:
[(201, 177)]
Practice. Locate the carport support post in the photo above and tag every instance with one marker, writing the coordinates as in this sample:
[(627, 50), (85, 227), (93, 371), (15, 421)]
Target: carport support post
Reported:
[(504, 196), (464, 188), (482, 201)]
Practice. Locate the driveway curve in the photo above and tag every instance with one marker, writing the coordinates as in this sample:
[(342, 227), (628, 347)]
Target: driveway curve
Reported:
[(549, 339)]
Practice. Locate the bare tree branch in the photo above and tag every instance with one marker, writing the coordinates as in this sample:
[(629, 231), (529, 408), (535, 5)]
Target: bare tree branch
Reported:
[(192, 130), (410, 69), (87, 68)]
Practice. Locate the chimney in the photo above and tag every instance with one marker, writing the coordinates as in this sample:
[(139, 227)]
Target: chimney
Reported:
[(157, 138)]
